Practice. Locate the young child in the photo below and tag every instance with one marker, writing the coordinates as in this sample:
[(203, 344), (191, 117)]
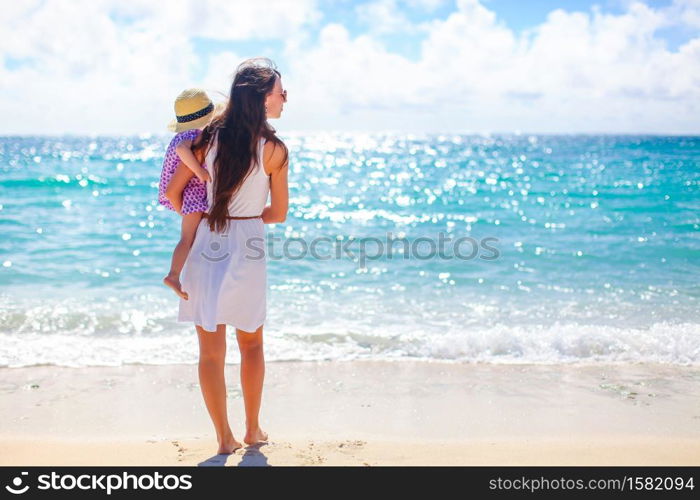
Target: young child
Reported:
[(193, 109)]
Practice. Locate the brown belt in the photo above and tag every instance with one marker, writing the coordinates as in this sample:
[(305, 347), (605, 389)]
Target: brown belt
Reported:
[(205, 215)]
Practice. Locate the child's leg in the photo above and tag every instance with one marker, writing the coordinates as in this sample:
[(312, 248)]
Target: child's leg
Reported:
[(190, 222), (180, 178)]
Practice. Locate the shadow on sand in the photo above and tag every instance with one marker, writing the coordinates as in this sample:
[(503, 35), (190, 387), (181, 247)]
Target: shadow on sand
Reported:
[(252, 457)]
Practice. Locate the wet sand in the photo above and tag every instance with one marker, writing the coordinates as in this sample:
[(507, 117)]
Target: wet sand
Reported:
[(358, 413)]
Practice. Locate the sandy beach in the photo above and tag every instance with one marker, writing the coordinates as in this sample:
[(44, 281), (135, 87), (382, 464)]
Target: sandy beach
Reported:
[(358, 413)]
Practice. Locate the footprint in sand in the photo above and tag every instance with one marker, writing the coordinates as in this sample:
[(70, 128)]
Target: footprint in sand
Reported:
[(311, 457), (352, 445), (180, 450), (350, 448)]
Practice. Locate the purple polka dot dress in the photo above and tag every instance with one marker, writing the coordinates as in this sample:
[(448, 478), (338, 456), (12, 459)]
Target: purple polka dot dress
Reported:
[(194, 196)]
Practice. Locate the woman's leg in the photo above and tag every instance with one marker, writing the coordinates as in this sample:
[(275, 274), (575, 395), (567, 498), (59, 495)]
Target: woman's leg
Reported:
[(252, 376), (190, 223), (212, 354)]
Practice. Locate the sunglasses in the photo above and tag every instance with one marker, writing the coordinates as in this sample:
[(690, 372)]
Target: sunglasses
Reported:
[(284, 94)]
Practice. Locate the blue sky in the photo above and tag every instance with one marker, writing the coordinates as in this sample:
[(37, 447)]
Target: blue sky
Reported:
[(412, 65)]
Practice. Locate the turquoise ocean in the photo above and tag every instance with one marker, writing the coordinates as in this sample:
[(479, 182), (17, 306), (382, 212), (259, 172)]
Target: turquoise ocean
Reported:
[(571, 249)]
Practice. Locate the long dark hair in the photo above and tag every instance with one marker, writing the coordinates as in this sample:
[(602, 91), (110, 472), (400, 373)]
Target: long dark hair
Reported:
[(239, 127)]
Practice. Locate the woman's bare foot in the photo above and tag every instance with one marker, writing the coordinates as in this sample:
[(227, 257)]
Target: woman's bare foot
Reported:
[(255, 436), (174, 283), (228, 445)]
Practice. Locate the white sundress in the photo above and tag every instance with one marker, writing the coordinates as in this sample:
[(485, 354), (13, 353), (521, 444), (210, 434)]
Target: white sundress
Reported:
[(225, 274)]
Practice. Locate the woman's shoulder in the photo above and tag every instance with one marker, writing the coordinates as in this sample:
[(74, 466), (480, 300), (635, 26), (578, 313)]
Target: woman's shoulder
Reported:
[(275, 154)]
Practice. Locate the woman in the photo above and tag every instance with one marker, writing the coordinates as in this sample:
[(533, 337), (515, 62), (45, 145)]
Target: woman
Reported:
[(225, 275)]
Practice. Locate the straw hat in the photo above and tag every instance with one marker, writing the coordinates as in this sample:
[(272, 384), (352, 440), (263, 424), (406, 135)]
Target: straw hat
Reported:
[(193, 109)]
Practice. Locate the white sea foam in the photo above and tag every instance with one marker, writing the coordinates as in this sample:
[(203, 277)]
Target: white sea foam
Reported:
[(560, 343)]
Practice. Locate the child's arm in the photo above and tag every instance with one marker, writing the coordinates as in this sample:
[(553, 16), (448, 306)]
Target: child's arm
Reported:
[(176, 186), (184, 151)]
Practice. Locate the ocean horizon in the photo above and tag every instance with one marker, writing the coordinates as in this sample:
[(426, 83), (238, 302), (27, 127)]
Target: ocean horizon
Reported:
[(582, 248)]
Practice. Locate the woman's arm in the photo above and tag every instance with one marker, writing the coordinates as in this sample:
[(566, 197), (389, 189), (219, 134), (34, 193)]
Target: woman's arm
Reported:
[(184, 151), (279, 191)]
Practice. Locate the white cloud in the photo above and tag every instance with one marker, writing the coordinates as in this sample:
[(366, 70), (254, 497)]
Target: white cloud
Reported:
[(688, 11), (114, 67), (382, 16), (577, 71), (220, 72)]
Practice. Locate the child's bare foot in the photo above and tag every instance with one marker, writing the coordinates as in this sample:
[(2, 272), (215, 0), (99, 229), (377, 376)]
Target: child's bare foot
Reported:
[(255, 436), (174, 283), (228, 445)]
